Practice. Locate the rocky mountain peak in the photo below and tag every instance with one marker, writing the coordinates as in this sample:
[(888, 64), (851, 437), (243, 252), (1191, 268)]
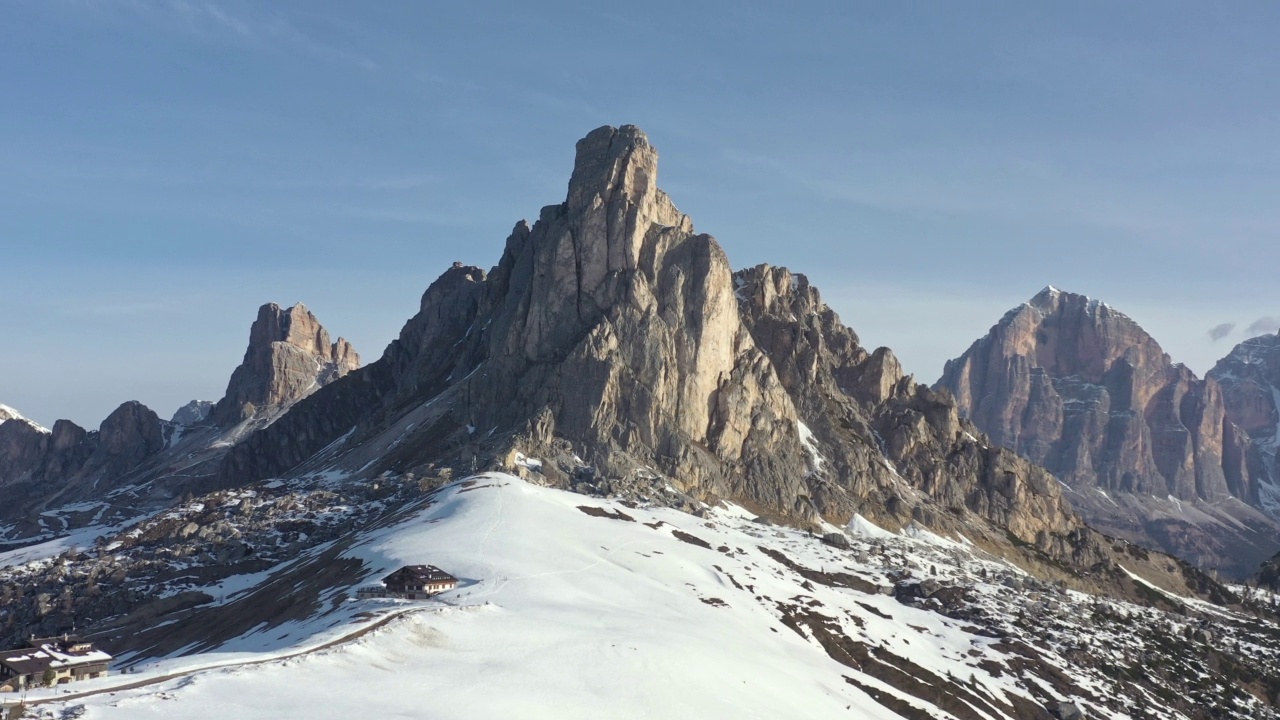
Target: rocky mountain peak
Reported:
[(7, 413), (1081, 389), (289, 356), (612, 159), (193, 413), (1250, 379), (617, 347), (130, 433)]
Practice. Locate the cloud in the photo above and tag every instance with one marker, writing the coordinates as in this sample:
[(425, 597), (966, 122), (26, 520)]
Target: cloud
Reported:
[(261, 28), (1217, 332), (1264, 325)]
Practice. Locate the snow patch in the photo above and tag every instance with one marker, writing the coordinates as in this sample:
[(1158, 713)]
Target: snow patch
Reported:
[(811, 445)]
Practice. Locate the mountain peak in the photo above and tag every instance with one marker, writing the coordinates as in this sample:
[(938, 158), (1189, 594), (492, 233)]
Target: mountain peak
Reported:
[(609, 159), (193, 413), (7, 413), (289, 357), (1083, 390), (615, 345)]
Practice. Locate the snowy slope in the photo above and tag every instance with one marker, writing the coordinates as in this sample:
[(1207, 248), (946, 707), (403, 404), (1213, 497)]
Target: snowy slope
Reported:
[(633, 612), (7, 413)]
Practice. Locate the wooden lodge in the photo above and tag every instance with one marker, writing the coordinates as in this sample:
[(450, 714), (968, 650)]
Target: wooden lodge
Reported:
[(51, 661), (412, 582)]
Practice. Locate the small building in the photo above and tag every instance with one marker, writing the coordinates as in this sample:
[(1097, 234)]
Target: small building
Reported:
[(412, 582), (62, 659)]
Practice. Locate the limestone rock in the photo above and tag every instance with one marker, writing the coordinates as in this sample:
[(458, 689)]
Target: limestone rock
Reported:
[(193, 413), (1250, 380), (1079, 388), (289, 357), (22, 446), (615, 344), (885, 441), (69, 461), (1076, 386)]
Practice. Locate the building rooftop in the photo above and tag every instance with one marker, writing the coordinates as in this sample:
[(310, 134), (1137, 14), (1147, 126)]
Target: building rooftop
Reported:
[(418, 573)]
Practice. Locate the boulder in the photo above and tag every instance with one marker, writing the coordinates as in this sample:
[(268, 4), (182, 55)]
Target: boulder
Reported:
[(836, 540)]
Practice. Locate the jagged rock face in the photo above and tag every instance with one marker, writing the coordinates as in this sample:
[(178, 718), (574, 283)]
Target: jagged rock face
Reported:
[(1081, 389), (1250, 381), (129, 435), (1146, 446), (154, 461), (68, 459), (289, 357), (613, 341), (617, 324), (862, 411), (193, 413), (22, 446)]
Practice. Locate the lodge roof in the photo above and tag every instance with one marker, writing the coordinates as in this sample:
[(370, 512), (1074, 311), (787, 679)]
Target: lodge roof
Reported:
[(418, 574), (57, 653)]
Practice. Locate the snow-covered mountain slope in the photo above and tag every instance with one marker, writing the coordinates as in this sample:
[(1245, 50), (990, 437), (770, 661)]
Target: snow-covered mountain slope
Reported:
[(7, 413), (572, 606)]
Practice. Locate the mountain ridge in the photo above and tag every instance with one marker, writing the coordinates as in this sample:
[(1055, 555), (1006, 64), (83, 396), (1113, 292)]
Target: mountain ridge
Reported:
[(617, 344), (1078, 387), (718, 431)]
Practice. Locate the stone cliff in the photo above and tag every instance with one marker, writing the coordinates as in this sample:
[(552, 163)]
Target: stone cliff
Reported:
[(1250, 381), (615, 344), (289, 356), (1077, 387), (150, 460)]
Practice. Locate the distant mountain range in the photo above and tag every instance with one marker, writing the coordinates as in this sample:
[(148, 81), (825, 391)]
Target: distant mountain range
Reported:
[(1147, 450)]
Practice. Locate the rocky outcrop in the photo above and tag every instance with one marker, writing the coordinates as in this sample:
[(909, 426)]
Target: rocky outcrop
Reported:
[(289, 357), (129, 435), (883, 439), (1079, 388), (68, 462), (609, 324), (22, 446), (193, 413), (145, 462), (614, 344), (1250, 380)]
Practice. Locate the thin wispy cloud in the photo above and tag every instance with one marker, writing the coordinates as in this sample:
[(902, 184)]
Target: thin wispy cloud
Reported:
[(1217, 332), (250, 24), (1264, 325)]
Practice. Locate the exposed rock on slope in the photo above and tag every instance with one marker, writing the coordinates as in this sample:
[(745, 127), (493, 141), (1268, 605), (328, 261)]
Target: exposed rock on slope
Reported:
[(862, 411), (68, 463), (135, 460), (289, 356), (193, 413), (614, 343), (1075, 386), (1250, 381)]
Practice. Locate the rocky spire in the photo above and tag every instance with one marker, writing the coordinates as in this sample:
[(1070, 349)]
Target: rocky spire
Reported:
[(289, 357), (616, 344)]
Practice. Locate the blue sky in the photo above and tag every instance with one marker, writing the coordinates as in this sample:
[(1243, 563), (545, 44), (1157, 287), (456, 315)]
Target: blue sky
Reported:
[(167, 166)]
